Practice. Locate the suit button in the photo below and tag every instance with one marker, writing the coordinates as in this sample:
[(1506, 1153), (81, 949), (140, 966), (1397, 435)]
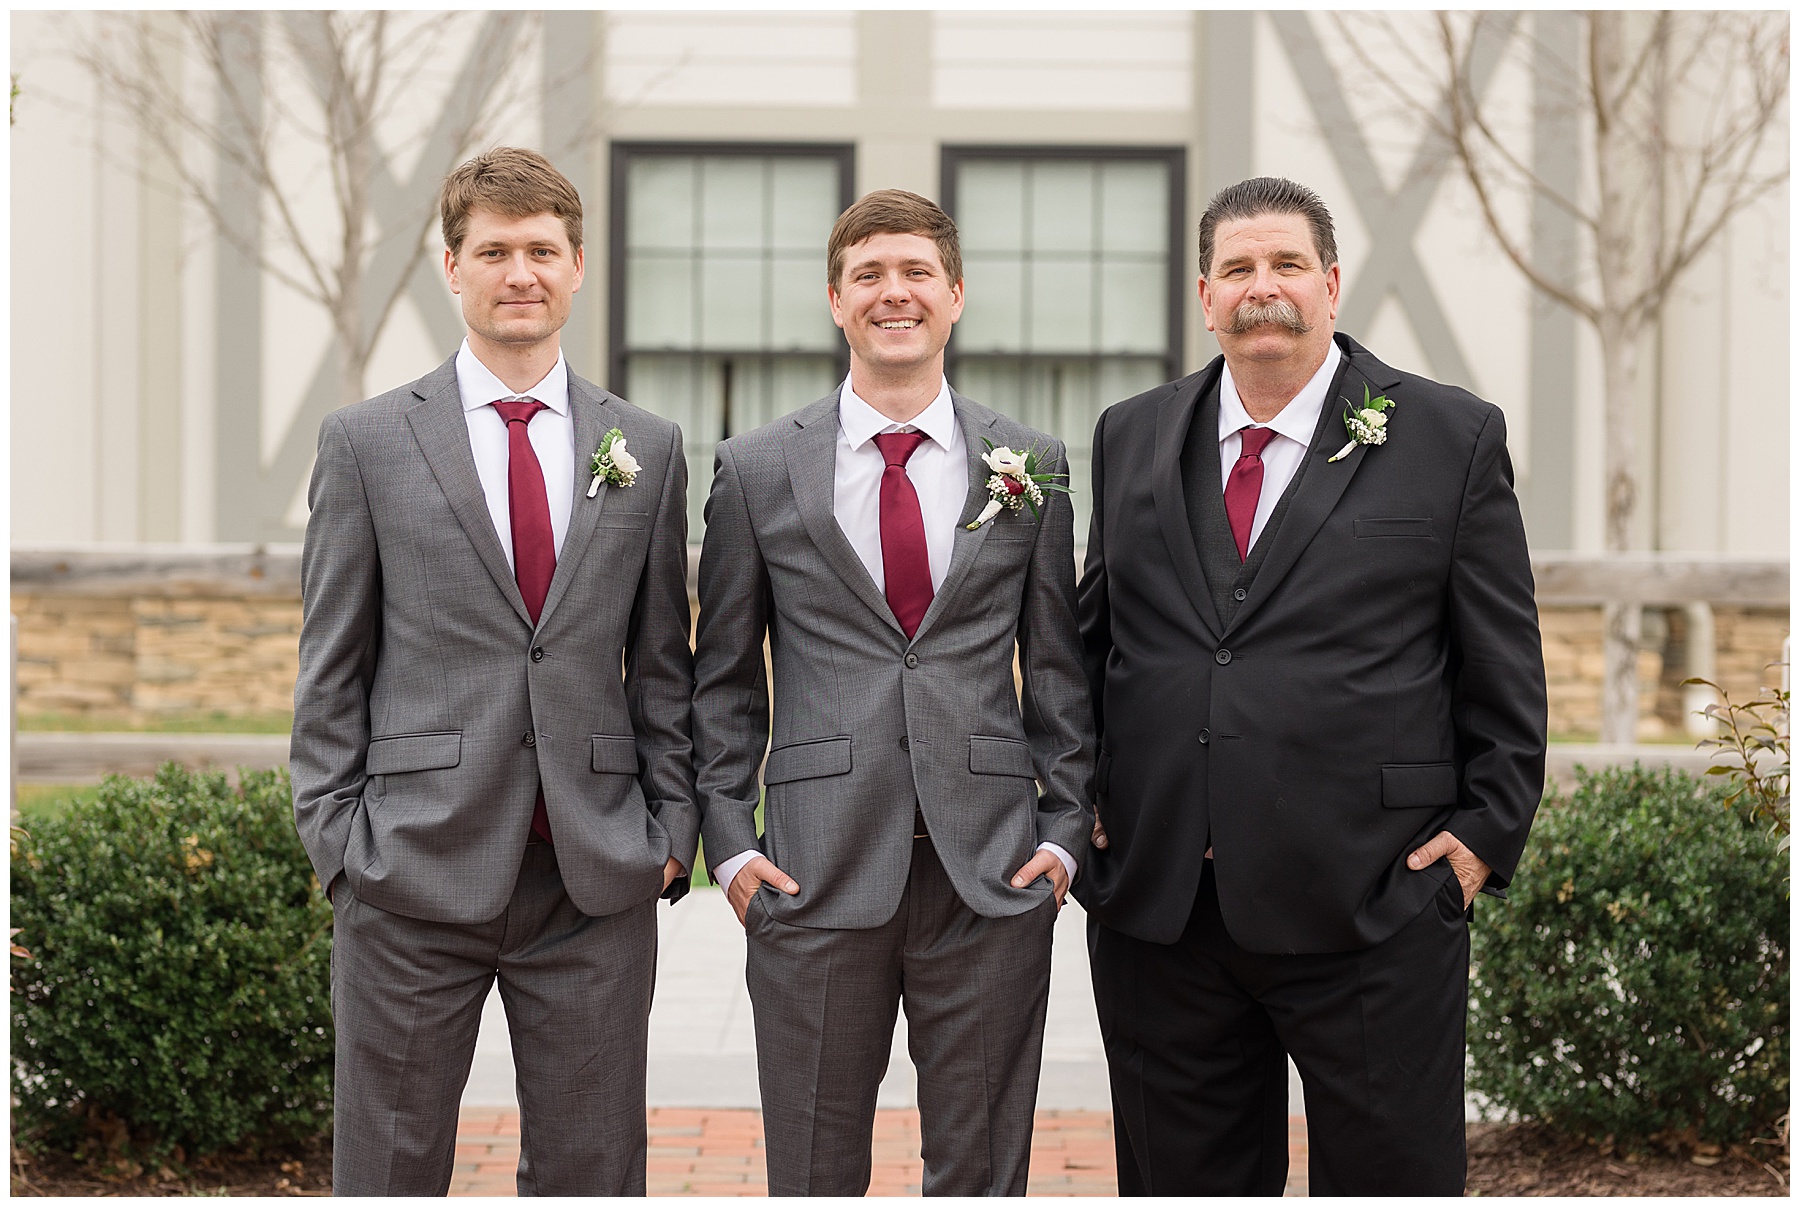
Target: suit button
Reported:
[(531, 739), (912, 661), (1205, 736), (906, 743), (1239, 594), (537, 654), (1222, 657)]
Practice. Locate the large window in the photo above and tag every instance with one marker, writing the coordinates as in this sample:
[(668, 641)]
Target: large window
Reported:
[(718, 311), (1074, 290)]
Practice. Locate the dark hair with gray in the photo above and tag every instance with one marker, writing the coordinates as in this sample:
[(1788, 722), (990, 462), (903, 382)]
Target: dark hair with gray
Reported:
[(1267, 195)]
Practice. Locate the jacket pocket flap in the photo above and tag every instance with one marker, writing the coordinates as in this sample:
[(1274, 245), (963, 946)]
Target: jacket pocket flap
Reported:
[(621, 519), (1000, 756), (807, 760), (413, 752), (1394, 527), (1418, 785), (615, 755)]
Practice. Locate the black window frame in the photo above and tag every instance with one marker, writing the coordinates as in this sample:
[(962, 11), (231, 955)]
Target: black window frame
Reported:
[(844, 153), (953, 155)]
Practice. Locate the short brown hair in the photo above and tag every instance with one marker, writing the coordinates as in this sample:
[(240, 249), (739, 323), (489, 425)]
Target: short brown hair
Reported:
[(893, 212), (1267, 195), (512, 182)]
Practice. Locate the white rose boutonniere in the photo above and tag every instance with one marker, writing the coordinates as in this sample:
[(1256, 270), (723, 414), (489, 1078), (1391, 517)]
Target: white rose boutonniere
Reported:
[(612, 464), (1366, 424), (1015, 483)]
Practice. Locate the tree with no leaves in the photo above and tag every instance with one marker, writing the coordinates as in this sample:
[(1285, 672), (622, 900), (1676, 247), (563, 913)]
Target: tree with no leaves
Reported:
[(1683, 121), (289, 162)]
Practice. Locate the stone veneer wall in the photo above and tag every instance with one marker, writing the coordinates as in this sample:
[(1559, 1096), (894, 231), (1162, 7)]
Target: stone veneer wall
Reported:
[(135, 658)]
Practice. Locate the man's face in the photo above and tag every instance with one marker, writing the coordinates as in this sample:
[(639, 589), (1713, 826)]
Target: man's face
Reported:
[(517, 277), (1267, 298), (895, 302)]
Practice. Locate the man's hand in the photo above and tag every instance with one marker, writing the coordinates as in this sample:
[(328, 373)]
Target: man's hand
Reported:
[(752, 876), (671, 870), (1044, 863), (1098, 838), (1467, 865)]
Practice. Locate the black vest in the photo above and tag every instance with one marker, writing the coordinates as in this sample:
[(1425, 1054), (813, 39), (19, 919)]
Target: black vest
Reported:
[(1227, 577)]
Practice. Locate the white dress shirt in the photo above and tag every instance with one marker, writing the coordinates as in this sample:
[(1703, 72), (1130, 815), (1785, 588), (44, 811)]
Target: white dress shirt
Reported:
[(939, 472), (552, 433), (1293, 429)]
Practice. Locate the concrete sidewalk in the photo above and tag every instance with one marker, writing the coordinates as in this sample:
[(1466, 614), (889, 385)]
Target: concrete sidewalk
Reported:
[(703, 1041)]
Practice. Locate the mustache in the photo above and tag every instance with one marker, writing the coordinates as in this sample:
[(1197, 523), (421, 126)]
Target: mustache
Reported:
[(1281, 313)]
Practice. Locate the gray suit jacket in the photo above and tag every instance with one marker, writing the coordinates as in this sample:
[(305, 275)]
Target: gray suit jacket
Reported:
[(427, 707), (866, 722)]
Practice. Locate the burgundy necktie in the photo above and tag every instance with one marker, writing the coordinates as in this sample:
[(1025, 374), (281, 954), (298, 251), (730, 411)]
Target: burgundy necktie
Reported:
[(905, 561), (534, 544), (1244, 487)]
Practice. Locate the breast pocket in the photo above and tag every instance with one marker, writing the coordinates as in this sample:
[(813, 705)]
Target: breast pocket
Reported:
[(1400, 526)]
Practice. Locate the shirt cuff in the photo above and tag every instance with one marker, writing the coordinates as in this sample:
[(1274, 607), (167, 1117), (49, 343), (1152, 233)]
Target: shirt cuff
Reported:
[(1068, 860), (726, 871)]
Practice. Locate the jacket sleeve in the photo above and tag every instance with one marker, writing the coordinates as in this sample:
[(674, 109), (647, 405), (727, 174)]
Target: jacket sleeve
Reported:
[(1058, 719), (659, 672), (731, 687), (1092, 601), (340, 640), (1498, 703)]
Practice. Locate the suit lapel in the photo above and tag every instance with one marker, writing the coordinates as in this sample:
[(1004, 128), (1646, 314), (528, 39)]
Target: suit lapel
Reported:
[(977, 423), (811, 453), (1172, 421), (443, 435), (1324, 481), (593, 419)]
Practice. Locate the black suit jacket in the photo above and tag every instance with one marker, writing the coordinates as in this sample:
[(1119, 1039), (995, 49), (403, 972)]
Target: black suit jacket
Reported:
[(1382, 680)]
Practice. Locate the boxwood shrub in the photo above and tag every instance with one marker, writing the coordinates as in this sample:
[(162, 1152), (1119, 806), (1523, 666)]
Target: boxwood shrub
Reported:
[(1636, 986), (179, 979)]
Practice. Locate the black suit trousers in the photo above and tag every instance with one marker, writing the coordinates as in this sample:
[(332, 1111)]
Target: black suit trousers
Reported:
[(1197, 1034)]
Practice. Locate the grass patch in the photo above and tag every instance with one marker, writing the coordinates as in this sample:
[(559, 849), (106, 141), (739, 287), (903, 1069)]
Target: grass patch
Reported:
[(181, 722), (49, 800)]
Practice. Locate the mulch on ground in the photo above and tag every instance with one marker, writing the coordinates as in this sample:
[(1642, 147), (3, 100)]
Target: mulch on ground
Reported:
[(719, 1152), (1525, 1159)]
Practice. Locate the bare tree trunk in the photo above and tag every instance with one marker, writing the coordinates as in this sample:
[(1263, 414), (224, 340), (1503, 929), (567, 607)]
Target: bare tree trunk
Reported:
[(1615, 254)]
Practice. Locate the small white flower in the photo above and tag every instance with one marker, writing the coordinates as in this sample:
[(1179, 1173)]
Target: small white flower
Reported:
[(625, 463), (1374, 418), (1003, 460)]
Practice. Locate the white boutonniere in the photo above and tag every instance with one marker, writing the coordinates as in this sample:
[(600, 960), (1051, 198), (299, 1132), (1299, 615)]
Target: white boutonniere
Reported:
[(1367, 425), (1015, 483), (612, 464)]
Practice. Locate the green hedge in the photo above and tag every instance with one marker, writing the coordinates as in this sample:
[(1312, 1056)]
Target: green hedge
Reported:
[(1636, 986), (180, 970)]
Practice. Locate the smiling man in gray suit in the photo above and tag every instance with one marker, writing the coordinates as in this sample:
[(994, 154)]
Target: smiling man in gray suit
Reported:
[(479, 788), (907, 853)]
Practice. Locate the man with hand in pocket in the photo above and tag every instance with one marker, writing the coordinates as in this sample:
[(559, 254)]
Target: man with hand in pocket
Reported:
[(907, 855), (480, 789)]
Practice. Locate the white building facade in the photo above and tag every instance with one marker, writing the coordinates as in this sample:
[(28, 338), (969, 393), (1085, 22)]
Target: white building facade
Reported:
[(168, 389)]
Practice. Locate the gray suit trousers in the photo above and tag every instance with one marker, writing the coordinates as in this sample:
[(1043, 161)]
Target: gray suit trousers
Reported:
[(407, 995), (975, 990)]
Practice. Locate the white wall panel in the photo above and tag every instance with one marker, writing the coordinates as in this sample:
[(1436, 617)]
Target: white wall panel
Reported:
[(738, 59), (1061, 60)]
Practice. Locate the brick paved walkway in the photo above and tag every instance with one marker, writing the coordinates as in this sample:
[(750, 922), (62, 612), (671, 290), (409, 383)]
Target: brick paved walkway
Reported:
[(719, 1152)]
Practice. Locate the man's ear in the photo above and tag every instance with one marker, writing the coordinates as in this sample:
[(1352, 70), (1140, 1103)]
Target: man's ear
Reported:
[(831, 296), (956, 300), (1206, 302), (450, 272), (580, 269), (1333, 283)]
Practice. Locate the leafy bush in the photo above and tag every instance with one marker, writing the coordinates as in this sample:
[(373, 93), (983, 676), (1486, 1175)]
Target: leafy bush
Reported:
[(179, 984), (1637, 984)]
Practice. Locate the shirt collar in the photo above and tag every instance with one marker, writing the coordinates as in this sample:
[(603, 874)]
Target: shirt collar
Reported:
[(861, 422), (479, 387), (1297, 420)]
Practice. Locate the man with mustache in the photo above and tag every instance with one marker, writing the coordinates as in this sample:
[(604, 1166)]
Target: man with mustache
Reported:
[(1312, 644)]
